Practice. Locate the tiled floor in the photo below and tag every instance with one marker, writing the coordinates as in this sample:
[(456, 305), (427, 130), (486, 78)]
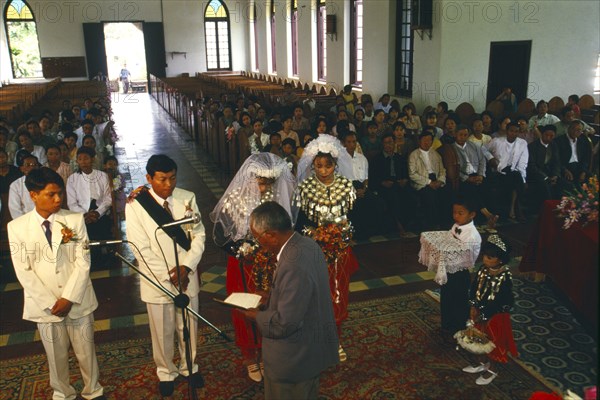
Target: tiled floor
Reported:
[(151, 131), (388, 264)]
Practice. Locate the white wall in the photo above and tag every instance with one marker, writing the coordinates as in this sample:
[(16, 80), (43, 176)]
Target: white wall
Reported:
[(379, 47), (565, 39)]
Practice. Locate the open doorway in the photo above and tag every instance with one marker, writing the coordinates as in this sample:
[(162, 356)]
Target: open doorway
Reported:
[(509, 67), (126, 56)]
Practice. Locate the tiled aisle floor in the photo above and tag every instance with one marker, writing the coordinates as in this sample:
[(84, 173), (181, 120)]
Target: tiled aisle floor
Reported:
[(388, 265)]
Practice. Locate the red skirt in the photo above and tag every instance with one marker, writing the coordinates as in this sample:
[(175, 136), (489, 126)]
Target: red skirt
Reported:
[(339, 284), (499, 330), (247, 336)]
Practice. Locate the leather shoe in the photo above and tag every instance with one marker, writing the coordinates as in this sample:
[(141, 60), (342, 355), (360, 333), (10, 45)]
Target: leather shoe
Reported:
[(196, 380), (166, 388)]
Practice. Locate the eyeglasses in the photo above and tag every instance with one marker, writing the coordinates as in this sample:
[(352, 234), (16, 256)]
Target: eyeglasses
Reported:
[(30, 164)]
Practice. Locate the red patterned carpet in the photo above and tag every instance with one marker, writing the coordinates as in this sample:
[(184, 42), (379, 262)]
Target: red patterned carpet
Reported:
[(394, 352)]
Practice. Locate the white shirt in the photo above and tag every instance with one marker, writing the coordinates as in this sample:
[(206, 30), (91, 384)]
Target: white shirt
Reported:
[(41, 221), (19, 200), (161, 201), (573, 144), (427, 161), (264, 139), (514, 155), (38, 151), (360, 166), (546, 119), (469, 235), (81, 188)]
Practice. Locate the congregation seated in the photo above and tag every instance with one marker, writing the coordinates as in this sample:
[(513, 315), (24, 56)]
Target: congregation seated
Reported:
[(88, 192), (428, 178), (508, 171), (575, 155), (367, 215), (19, 201), (542, 118), (259, 139), (543, 169), (389, 178), (7, 145), (287, 131), (26, 144), (568, 115), (371, 144)]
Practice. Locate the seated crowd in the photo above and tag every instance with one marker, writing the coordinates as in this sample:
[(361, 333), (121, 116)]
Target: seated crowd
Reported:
[(409, 168), (78, 145)]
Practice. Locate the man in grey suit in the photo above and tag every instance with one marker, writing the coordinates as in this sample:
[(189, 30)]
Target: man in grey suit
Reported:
[(297, 323)]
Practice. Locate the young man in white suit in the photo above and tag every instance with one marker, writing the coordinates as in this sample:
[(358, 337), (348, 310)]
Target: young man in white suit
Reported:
[(53, 268), (147, 209)]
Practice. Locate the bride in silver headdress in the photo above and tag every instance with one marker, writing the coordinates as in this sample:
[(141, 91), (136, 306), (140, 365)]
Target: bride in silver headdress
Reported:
[(263, 177), (324, 197)]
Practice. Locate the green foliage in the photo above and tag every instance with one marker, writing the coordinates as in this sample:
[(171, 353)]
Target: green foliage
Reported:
[(24, 49)]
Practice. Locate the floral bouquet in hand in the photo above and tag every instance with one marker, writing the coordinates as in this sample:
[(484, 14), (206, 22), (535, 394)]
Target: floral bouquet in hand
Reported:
[(333, 237), (263, 264), (580, 205)]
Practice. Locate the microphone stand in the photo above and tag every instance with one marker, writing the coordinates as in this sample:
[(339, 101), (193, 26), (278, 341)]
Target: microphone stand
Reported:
[(181, 301), (172, 296)]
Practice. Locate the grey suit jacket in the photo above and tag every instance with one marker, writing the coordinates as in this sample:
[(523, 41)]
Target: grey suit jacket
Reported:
[(298, 327)]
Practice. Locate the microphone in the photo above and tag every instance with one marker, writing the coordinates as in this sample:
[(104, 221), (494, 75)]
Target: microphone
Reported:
[(190, 220), (87, 244)]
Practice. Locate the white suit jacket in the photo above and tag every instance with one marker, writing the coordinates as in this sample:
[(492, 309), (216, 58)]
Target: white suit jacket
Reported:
[(49, 274), (140, 233), (417, 169), (19, 200), (78, 191)]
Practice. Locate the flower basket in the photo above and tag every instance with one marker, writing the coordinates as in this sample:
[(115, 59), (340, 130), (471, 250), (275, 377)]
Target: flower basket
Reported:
[(580, 206)]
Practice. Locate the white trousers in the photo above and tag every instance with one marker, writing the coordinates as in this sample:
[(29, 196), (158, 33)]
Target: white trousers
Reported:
[(56, 337), (165, 320)]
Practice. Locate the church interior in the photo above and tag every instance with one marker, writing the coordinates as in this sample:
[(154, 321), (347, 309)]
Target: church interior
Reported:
[(188, 61)]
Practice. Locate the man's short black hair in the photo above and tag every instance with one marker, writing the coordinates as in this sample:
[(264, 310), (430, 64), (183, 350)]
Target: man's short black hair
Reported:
[(160, 163), (71, 134), (399, 124), (23, 155), (23, 133), (388, 135), (512, 123), (289, 141), (38, 179), (426, 132), (88, 137), (110, 158), (467, 202), (86, 150), (547, 128), (87, 122), (52, 146)]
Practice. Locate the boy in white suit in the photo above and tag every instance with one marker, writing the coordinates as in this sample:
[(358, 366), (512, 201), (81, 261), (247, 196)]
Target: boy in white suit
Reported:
[(53, 268), (146, 209)]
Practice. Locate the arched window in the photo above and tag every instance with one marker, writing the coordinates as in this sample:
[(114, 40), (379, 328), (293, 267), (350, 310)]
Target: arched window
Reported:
[(218, 39), (23, 42), (321, 40)]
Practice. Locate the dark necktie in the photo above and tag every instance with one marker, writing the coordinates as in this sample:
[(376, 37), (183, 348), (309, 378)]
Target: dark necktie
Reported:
[(47, 232), (392, 166), (166, 207)]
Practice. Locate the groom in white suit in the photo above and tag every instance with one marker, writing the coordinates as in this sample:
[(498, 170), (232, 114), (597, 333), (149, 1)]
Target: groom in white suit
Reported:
[(53, 269), (146, 209)]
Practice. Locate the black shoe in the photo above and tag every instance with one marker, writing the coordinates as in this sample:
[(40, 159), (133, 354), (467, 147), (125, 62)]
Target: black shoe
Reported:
[(101, 397), (166, 388), (196, 380)]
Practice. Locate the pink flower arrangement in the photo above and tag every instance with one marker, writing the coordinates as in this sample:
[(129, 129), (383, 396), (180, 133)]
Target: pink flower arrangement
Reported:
[(581, 205)]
